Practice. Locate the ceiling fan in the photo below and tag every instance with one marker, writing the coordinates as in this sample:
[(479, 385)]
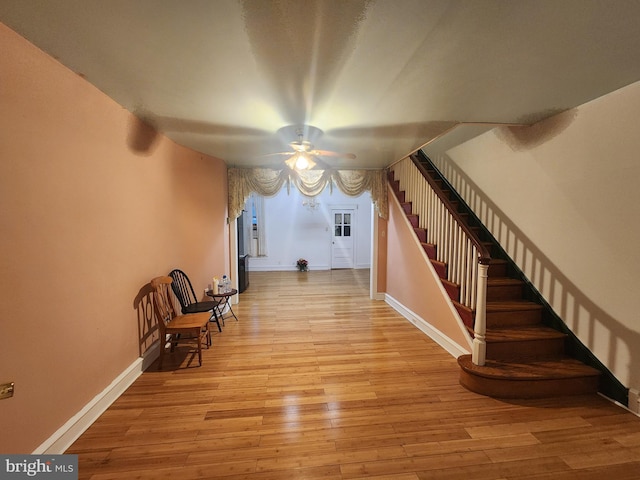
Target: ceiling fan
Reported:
[(304, 156)]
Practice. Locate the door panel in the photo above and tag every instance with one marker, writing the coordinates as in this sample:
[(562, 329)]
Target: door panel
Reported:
[(343, 242)]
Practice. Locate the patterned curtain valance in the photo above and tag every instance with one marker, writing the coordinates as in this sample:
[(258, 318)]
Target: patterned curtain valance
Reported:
[(268, 182)]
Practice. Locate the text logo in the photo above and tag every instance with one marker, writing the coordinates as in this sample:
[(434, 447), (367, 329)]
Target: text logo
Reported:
[(50, 467)]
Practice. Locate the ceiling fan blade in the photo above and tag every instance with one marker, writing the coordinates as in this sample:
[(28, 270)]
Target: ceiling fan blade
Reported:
[(327, 153), (279, 154), (301, 146)]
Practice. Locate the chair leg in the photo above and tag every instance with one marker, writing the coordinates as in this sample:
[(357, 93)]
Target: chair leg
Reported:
[(232, 312), (208, 334), (174, 341), (161, 355), (199, 348), (219, 315), (214, 318)]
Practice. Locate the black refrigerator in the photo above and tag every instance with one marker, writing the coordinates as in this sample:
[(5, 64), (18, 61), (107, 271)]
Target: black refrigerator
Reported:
[(243, 273), (243, 257)]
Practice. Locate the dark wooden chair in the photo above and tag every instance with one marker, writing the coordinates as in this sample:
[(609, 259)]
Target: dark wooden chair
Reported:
[(186, 295), (173, 328)]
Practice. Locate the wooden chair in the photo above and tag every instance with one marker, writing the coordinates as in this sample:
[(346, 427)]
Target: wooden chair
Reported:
[(186, 295), (174, 328)]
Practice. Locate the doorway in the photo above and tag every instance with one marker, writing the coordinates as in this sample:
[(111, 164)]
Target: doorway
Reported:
[(343, 238)]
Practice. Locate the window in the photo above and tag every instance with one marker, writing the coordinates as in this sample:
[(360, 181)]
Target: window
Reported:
[(258, 236)]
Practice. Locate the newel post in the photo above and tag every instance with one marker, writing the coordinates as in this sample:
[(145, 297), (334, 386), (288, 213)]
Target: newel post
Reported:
[(480, 325)]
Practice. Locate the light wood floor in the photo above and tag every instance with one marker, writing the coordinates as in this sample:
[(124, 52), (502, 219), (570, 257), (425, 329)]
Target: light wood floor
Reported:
[(316, 381)]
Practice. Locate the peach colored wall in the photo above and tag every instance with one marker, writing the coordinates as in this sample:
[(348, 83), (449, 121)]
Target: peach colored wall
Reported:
[(412, 282), (92, 206), (381, 232)]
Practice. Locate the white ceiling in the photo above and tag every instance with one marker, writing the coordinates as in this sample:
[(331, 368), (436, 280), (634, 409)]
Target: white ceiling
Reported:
[(379, 78)]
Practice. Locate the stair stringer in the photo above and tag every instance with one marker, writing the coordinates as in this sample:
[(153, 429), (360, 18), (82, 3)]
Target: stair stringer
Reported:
[(412, 305)]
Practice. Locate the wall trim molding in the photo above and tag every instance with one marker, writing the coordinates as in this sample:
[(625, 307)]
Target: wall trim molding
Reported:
[(68, 433), (379, 296), (454, 349), (282, 268), (292, 268)]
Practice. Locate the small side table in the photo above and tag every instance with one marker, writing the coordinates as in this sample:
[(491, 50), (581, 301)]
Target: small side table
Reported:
[(223, 301)]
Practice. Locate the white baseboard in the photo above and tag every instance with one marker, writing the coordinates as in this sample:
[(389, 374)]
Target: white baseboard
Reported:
[(432, 332), (282, 268), (62, 439), (291, 268)]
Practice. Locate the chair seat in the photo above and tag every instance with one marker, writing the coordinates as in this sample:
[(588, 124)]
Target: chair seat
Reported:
[(178, 328), (200, 307), (192, 320)]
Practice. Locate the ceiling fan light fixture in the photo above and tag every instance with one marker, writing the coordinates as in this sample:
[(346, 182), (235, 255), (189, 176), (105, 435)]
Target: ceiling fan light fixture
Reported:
[(300, 161), (304, 161), (303, 154)]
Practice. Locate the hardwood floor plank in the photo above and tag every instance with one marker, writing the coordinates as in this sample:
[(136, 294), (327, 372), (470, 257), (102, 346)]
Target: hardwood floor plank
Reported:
[(538, 450), (317, 381), (545, 468), (588, 458), (413, 464), (506, 443), (626, 471), (628, 440), (287, 462), (535, 426)]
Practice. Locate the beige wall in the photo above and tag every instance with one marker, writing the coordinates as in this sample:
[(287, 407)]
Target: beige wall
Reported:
[(412, 282), (562, 197), (92, 206)]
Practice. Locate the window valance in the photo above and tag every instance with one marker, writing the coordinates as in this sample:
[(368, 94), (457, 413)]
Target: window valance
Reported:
[(268, 182)]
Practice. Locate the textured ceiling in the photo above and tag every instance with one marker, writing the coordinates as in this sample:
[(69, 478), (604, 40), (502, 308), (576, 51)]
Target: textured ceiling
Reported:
[(376, 78)]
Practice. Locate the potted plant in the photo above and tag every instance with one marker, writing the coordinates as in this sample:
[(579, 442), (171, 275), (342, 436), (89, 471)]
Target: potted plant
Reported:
[(302, 264)]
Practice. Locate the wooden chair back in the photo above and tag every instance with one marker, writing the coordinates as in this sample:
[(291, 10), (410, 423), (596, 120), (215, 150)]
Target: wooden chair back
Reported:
[(164, 309), (174, 328), (183, 289)]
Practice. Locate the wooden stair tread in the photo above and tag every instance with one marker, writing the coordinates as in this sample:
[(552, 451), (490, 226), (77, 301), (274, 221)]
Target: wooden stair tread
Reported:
[(558, 368), (503, 281), (513, 305), (498, 260), (438, 262), (522, 333), (440, 268)]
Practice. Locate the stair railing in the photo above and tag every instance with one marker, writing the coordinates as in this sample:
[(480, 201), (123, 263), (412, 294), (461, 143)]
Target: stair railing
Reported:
[(457, 245)]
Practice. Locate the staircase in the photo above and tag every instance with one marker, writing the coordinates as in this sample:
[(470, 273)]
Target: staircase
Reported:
[(524, 358)]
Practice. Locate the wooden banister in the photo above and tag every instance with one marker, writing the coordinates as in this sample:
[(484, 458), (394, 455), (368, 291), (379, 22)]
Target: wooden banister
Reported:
[(484, 256), (462, 248)]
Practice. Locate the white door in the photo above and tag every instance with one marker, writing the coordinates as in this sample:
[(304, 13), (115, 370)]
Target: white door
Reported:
[(342, 244)]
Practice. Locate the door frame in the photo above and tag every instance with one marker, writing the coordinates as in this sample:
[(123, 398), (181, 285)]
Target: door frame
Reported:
[(353, 209)]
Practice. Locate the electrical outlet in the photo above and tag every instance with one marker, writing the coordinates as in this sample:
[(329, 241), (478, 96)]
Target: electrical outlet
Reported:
[(6, 390)]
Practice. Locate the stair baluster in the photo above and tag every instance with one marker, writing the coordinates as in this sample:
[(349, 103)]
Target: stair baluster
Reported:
[(466, 257)]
